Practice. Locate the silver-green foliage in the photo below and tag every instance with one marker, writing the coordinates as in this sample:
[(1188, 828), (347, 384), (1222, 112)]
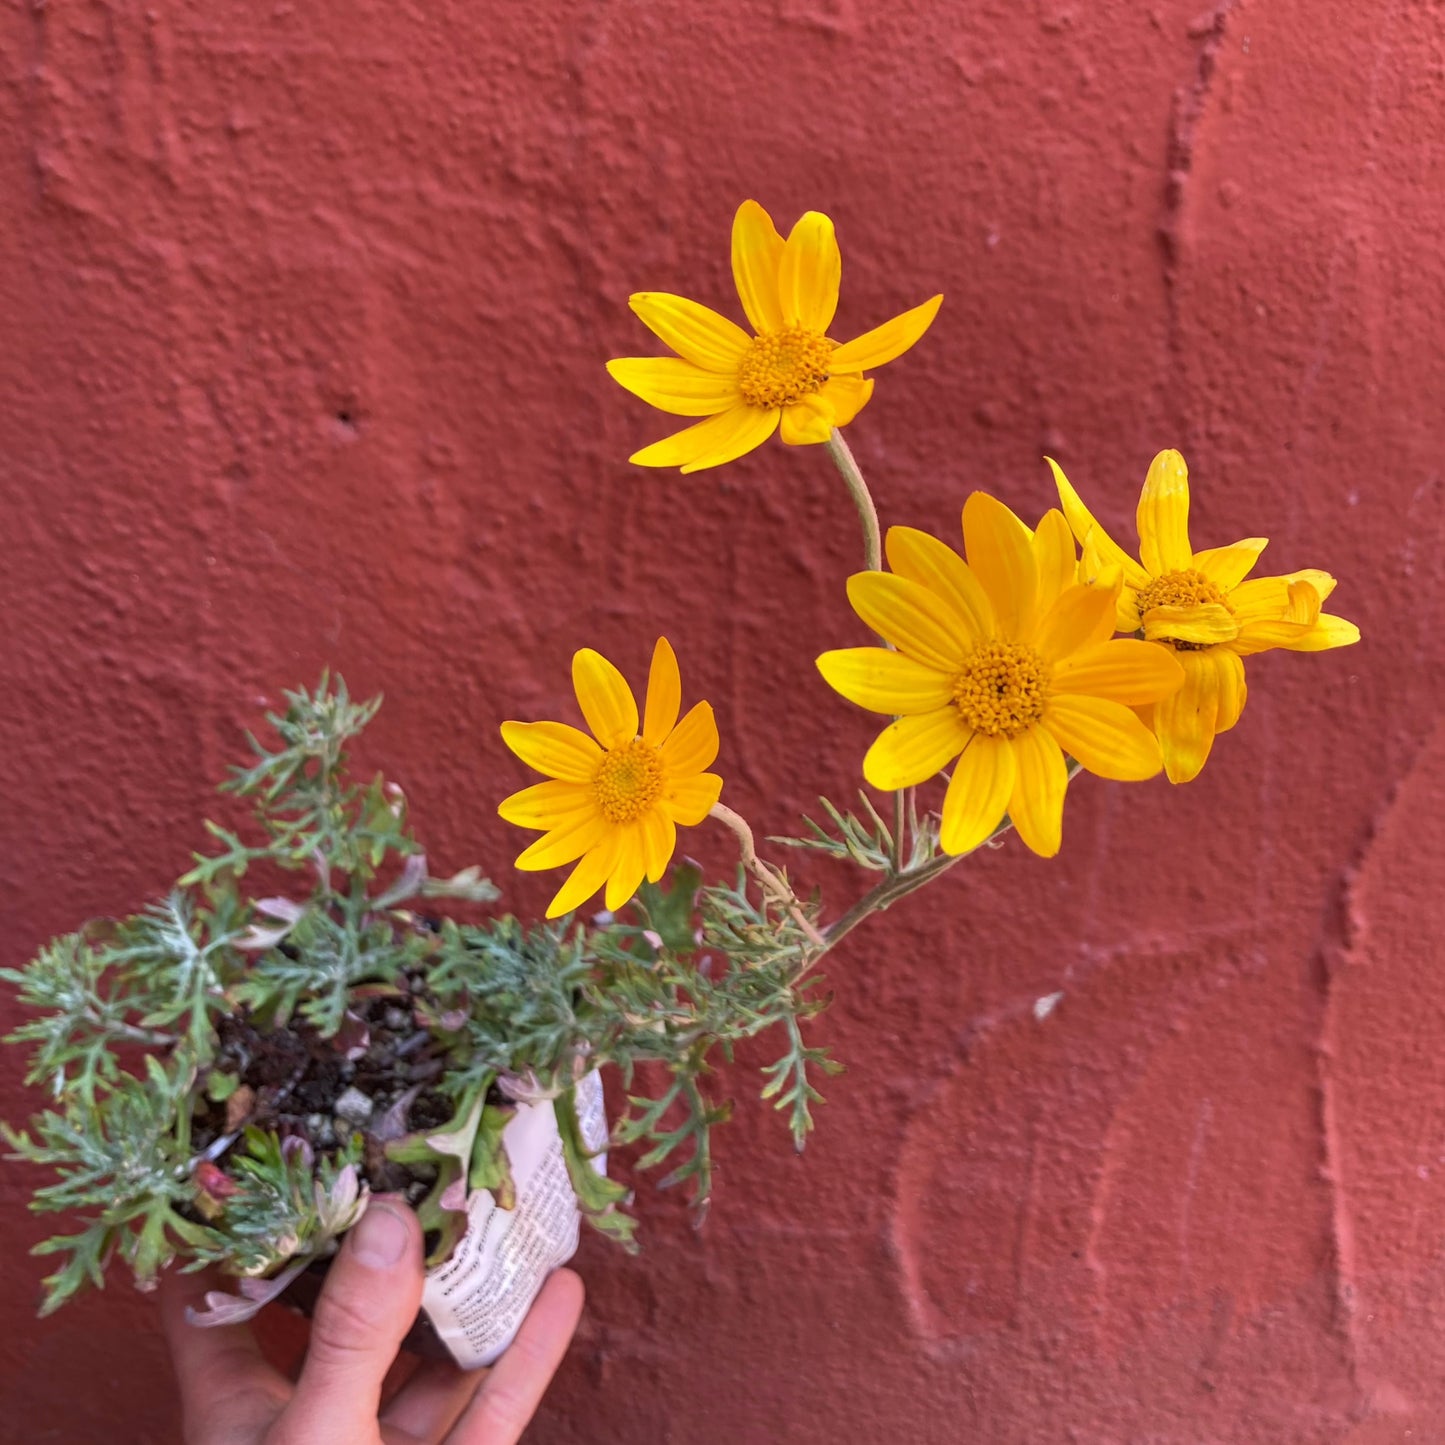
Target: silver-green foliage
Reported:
[(125, 1038)]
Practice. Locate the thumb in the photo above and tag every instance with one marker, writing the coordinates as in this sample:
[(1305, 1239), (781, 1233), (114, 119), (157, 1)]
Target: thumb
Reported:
[(368, 1304)]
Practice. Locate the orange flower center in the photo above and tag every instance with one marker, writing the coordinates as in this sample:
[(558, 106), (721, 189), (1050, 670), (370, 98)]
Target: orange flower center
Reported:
[(783, 368), (1180, 589), (1002, 687), (628, 781)]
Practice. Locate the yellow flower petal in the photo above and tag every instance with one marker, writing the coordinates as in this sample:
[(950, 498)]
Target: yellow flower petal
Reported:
[(809, 273), (1260, 599), (847, 395), (978, 794), (710, 443), (885, 343), (1106, 737), (999, 549), (554, 748), (1163, 515), (604, 697), (1083, 617), (565, 844), (1205, 623), (1102, 546), (1322, 582), (696, 332), (587, 877), (1329, 631), (757, 255), (1294, 597), (1265, 624), (1123, 670), (913, 749), (1094, 571), (664, 694), (690, 800), (1127, 617), (630, 868), (673, 385), (909, 616), (1036, 805), (884, 681), (1227, 567), (1257, 637), (693, 744), (1229, 679), (807, 421), (935, 565), (547, 805), (1055, 557), (1187, 722), (659, 840)]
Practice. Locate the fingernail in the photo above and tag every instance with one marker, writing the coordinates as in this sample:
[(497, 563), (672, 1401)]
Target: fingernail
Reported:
[(380, 1239)]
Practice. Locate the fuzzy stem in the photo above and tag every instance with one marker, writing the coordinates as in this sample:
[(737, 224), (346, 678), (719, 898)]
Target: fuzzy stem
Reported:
[(772, 882), (132, 1034), (887, 892), (858, 489), (847, 464)]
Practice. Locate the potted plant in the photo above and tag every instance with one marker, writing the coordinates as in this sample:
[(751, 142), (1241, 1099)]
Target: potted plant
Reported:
[(234, 1071), (310, 1016)]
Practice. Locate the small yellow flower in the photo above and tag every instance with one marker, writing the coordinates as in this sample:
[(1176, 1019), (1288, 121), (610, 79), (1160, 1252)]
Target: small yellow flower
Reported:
[(614, 803), (1199, 606), (788, 375), (1004, 662)]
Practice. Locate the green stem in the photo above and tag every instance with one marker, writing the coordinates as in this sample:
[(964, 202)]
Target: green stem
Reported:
[(885, 894), (150, 1038), (858, 489), (772, 882), (899, 885), (847, 465)]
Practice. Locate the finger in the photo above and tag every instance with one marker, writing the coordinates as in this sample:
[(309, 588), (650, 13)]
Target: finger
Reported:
[(427, 1406), (511, 1393), (366, 1307), (225, 1384)]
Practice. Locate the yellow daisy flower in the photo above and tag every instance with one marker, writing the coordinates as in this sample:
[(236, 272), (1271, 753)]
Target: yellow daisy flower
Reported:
[(1199, 606), (789, 374), (614, 800), (1004, 662)]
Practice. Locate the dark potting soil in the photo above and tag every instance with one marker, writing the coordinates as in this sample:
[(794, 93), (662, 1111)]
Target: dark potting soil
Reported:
[(375, 1078)]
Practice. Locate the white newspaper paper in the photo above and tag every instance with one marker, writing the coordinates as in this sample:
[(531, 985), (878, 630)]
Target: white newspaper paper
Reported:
[(478, 1299)]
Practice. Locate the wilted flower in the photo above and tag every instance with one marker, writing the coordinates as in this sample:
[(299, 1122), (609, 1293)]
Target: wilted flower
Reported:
[(1199, 606)]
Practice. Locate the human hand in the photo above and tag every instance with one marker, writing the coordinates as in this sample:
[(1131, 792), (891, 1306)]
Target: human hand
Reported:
[(231, 1396)]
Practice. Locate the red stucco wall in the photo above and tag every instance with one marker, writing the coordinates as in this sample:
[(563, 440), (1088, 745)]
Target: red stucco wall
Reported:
[(304, 315)]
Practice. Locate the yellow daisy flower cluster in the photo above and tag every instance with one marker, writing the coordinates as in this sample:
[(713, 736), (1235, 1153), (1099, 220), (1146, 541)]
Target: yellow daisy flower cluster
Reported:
[(1004, 663), (1007, 661), (999, 664)]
